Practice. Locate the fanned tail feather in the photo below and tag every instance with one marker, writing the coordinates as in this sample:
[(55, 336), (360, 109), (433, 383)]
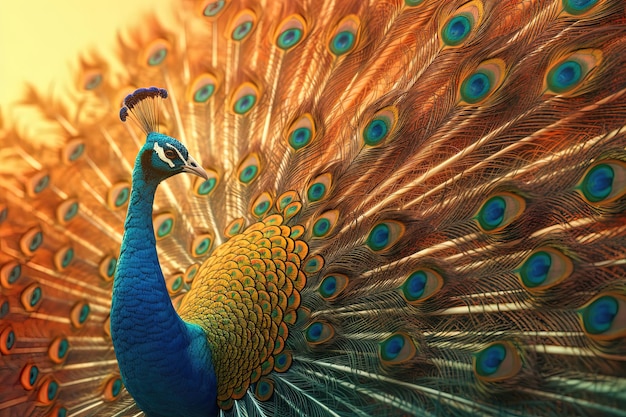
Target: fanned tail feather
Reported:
[(457, 170)]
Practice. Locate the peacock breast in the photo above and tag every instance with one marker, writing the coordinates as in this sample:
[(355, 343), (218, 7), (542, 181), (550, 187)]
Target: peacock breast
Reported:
[(244, 296)]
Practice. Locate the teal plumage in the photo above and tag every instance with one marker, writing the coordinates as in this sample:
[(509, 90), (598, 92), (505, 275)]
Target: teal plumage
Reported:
[(407, 208)]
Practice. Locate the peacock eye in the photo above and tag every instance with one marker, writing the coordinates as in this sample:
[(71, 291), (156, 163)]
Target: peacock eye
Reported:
[(170, 153)]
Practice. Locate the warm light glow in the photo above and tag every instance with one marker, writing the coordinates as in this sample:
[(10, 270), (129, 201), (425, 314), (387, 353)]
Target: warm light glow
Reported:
[(40, 40)]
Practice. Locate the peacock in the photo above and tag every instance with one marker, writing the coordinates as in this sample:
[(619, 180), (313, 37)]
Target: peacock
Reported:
[(324, 208)]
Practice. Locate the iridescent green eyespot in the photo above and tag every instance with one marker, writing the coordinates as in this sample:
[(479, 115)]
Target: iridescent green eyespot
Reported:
[(213, 8), (242, 30), (289, 38), (111, 266), (321, 227), (262, 208), (604, 182), (204, 93), (122, 197), (319, 332), (157, 57), (565, 76), (598, 317), (376, 131), (245, 103), (384, 235), (577, 7), (202, 246), (300, 137), (396, 349), (207, 186), (36, 241), (248, 174), (456, 30), (165, 228), (342, 43), (488, 360)]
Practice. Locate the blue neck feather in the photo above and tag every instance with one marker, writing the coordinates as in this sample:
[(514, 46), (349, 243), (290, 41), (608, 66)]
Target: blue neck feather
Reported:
[(165, 363)]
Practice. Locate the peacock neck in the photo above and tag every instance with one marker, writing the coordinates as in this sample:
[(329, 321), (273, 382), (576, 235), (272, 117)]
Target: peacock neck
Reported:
[(159, 355)]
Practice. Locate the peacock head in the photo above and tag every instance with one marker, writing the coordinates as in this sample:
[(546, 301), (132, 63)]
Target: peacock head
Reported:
[(162, 156)]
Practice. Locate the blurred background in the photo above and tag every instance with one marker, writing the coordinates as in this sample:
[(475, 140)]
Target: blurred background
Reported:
[(40, 39)]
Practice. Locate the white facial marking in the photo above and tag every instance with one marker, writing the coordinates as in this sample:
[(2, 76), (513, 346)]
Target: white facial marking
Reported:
[(161, 153), (180, 155)]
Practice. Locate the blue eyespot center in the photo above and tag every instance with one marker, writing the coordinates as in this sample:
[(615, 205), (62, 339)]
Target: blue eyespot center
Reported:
[(111, 267), (535, 270), (598, 183), (33, 374), (289, 38), (328, 286), (52, 390), (71, 212), (4, 309), (35, 296), (316, 191), (67, 258), (213, 8), (203, 93), (376, 131), (63, 348), (36, 241), (491, 214), (15, 273), (342, 42), (576, 7), (207, 186), (77, 152), (378, 237), (475, 87), (242, 30), (263, 388), (321, 227), (248, 173), (489, 359), (456, 30), (122, 197), (261, 208), (300, 138), (178, 282), (117, 387), (10, 340), (157, 57), (598, 317), (245, 103), (396, 348), (84, 313), (314, 332), (166, 227), (415, 285), (565, 76), (42, 184)]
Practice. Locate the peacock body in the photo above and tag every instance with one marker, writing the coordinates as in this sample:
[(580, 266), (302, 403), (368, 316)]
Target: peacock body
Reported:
[(399, 207)]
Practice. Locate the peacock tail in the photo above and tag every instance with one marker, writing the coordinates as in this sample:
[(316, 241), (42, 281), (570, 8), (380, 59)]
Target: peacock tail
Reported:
[(412, 208)]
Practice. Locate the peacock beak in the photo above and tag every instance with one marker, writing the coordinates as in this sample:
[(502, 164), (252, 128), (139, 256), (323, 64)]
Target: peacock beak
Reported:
[(194, 167)]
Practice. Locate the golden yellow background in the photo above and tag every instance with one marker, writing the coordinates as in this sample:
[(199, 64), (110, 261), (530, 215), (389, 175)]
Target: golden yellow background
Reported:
[(40, 39)]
